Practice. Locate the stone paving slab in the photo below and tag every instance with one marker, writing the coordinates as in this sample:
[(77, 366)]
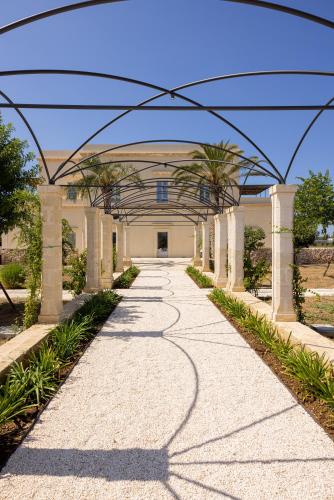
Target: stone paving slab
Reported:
[(169, 401)]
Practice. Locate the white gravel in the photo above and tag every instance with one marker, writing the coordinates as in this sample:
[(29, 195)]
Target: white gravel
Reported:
[(170, 402)]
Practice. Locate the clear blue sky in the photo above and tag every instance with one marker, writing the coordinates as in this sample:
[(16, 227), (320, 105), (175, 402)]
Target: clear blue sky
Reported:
[(169, 43)]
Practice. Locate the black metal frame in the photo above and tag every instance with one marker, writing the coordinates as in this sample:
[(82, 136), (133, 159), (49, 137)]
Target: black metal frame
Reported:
[(270, 170)]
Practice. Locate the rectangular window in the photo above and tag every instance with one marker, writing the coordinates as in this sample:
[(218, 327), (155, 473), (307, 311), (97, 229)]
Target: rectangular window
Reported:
[(204, 193), (162, 191), (71, 193)]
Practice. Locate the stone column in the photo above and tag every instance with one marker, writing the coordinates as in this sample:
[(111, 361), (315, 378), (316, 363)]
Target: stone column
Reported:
[(197, 246), (236, 228), (52, 269), (205, 246), (93, 272), (120, 247), (107, 263), (282, 199), (220, 279), (127, 259)]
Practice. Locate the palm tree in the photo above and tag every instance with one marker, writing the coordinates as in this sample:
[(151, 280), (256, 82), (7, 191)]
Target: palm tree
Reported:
[(103, 177), (218, 170)]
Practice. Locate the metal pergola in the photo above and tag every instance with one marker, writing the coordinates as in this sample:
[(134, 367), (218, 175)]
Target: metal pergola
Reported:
[(137, 200)]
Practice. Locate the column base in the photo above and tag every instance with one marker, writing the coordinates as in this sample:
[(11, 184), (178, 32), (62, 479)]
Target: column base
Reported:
[(220, 282), (92, 289), (237, 289), (47, 319), (127, 261), (106, 283), (196, 261), (205, 269), (285, 318), (119, 269)]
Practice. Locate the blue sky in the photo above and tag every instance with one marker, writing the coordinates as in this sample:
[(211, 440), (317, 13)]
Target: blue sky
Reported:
[(169, 43)]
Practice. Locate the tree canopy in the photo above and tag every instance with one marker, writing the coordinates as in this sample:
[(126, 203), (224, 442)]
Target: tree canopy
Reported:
[(314, 206), (16, 175)]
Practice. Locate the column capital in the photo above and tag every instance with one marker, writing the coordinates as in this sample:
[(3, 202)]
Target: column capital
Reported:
[(236, 209), (220, 217), (92, 211), (283, 189)]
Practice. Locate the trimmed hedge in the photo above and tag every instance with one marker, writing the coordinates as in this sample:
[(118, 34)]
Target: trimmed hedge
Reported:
[(200, 279)]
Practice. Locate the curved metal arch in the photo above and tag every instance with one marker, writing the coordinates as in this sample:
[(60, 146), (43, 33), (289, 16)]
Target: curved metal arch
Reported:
[(186, 208), (91, 3), (163, 92), (179, 141), (172, 212), (32, 133), (217, 115), (137, 193), (171, 92), (303, 137), (171, 163)]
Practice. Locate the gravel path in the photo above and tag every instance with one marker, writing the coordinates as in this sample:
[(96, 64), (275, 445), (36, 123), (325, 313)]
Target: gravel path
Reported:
[(170, 402)]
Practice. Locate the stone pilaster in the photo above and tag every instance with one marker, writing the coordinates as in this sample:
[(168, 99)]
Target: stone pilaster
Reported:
[(52, 271), (236, 228), (220, 279), (127, 259), (93, 272), (205, 246), (282, 199), (197, 246), (120, 247), (107, 261)]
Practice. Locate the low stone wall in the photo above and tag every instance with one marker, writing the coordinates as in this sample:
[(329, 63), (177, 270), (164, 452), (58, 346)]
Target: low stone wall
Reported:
[(316, 255), (313, 255), (12, 255)]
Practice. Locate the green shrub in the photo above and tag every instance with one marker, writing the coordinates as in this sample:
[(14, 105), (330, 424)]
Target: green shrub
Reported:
[(313, 371), (12, 275), (77, 273), (126, 279), (254, 272), (12, 401), (66, 338), (38, 384), (200, 279), (99, 306), (35, 383)]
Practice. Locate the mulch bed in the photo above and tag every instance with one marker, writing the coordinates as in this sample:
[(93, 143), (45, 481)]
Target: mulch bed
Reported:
[(318, 410), (7, 314)]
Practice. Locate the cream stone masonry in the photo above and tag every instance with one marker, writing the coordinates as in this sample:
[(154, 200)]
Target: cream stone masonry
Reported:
[(197, 246), (126, 258), (93, 218), (282, 198), (52, 271), (236, 228), (220, 277), (205, 246), (107, 261), (120, 247)]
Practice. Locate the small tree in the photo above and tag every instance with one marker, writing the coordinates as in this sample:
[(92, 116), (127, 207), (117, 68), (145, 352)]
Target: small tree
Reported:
[(15, 176), (77, 272), (314, 206), (254, 269)]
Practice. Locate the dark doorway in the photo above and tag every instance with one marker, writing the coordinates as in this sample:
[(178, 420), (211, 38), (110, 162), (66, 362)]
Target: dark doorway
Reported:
[(162, 244)]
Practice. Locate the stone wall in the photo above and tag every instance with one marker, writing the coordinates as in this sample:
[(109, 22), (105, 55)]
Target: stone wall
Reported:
[(315, 255), (11, 255)]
